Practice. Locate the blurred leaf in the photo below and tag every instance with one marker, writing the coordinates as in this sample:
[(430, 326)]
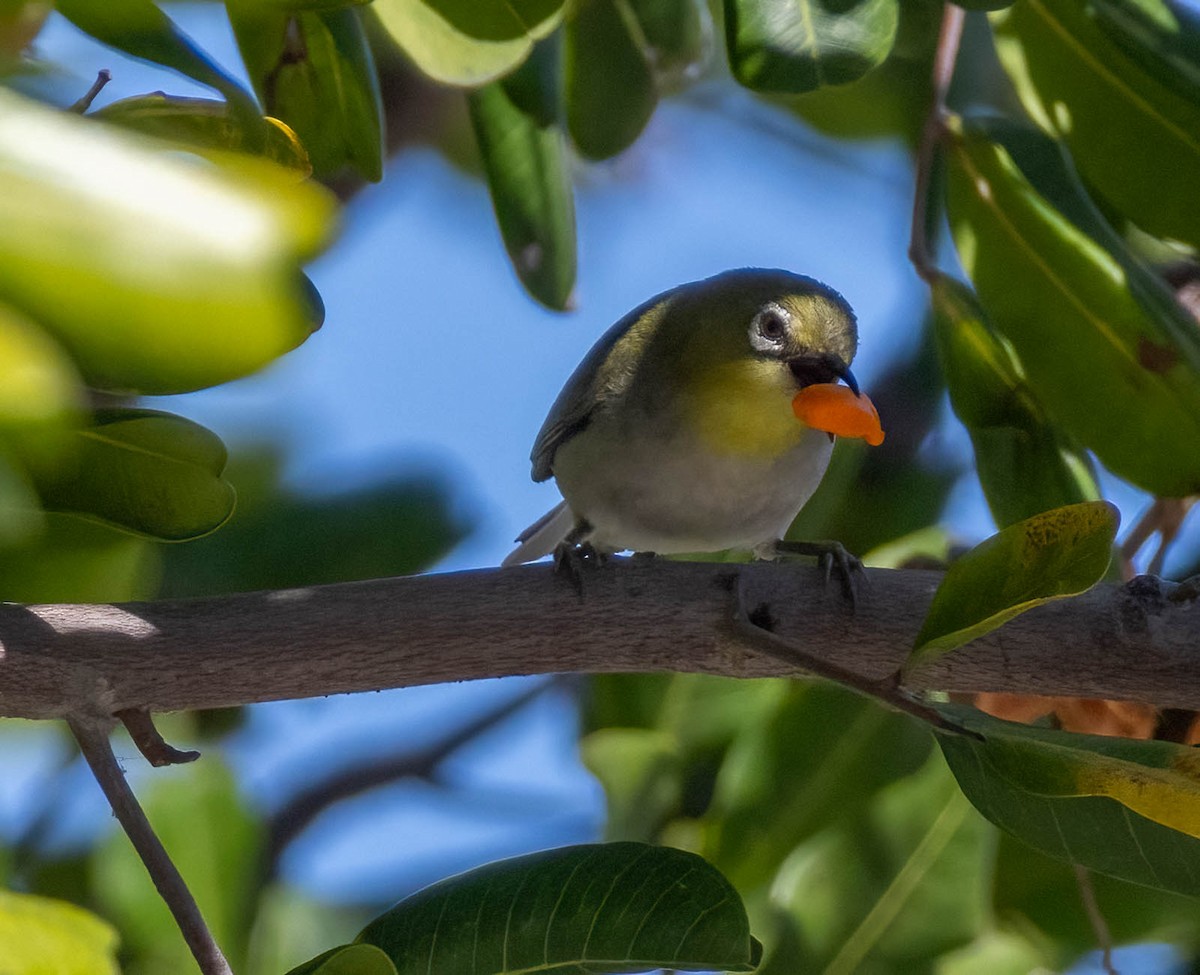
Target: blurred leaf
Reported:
[(204, 124), (625, 700), (1072, 309), (467, 42), (617, 907), (1025, 466), (1040, 895), (802, 45), (641, 773), (214, 841), (314, 71), (140, 28), (73, 561), (892, 886), (148, 472), (360, 959), (610, 89), (41, 396), (524, 157), (279, 539), (290, 926), (1136, 140), (1084, 798), (852, 748), (994, 953), (926, 547), (1161, 36), (20, 22), (1057, 553), (155, 273), (21, 517), (677, 36), (40, 936)]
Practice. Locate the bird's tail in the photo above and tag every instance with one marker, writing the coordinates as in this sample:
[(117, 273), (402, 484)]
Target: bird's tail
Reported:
[(542, 536)]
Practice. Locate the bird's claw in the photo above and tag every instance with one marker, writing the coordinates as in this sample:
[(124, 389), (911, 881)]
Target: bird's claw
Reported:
[(830, 555), (572, 559)]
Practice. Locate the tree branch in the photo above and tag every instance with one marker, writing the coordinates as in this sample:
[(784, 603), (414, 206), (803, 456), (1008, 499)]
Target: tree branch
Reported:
[(92, 735), (1140, 641)]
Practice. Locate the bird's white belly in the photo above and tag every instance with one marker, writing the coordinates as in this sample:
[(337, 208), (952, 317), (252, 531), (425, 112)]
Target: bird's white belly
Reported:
[(680, 496)]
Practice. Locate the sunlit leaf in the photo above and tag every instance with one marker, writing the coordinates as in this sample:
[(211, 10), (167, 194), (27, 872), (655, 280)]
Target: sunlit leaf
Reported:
[(1024, 463), (801, 45), (41, 396), (1059, 553), (148, 472), (40, 936), (204, 124), (156, 273), (314, 71), (214, 840), (852, 748), (618, 907), (610, 89), (995, 953), (140, 28), (1094, 334), (467, 42), (1123, 807), (524, 157), (359, 959), (1136, 140), (891, 885)]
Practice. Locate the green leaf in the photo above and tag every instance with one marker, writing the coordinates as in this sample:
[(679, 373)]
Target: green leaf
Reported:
[(360, 959), (618, 907), (524, 157), (215, 842), (314, 71), (1024, 464), (139, 28), (41, 397), (610, 88), (641, 772), (155, 274), (677, 36), (467, 42), (801, 45), (1058, 553), (204, 125), (1161, 36), (1136, 140), (282, 539), (148, 472), (1052, 283), (852, 748), (889, 887), (1126, 808), (69, 560), (40, 936)]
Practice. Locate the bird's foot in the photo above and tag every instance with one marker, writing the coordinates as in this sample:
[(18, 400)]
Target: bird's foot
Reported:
[(572, 559), (830, 555)]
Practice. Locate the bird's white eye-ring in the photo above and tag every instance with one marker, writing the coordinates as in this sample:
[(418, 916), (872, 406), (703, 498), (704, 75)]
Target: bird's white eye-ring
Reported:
[(769, 329)]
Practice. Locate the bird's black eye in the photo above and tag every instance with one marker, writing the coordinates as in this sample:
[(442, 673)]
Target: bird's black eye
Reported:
[(771, 325)]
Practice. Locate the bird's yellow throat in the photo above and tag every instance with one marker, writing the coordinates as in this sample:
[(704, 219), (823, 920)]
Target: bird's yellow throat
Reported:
[(744, 407)]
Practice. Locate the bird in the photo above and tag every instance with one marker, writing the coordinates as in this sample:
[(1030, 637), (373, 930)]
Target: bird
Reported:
[(679, 430)]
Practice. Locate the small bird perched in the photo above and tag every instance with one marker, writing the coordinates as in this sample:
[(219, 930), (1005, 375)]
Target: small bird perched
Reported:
[(693, 426)]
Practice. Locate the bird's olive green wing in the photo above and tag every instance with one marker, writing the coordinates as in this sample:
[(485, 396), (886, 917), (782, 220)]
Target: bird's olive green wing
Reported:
[(603, 375)]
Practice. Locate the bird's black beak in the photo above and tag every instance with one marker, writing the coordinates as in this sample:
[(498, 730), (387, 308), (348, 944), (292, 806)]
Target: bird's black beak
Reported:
[(812, 369)]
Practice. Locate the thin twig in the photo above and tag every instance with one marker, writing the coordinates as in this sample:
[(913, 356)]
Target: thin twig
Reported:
[(949, 36), (103, 77), (92, 736), (887, 691), (1087, 894), (149, 742)]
